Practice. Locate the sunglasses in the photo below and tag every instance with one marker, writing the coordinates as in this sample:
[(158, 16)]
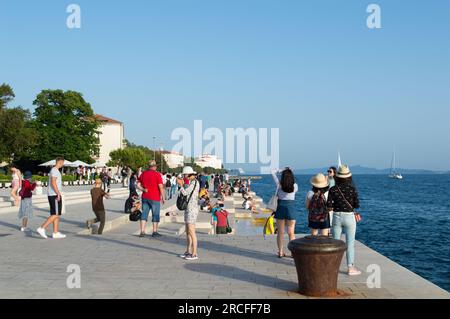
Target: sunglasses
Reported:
[(330, 171)]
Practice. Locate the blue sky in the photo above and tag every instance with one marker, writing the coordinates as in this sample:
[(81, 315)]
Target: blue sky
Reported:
[(311, 68)]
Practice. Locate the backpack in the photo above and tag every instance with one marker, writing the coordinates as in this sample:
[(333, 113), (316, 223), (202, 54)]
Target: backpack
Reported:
[(318, 211), (168, 183)]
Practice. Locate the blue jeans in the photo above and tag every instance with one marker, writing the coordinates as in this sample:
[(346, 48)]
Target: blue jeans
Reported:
[(174, 191), (346, 222), (168, 193), (154, 206)]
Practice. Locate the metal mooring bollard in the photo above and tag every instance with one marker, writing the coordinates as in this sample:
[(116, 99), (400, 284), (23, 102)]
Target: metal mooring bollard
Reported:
[(317, 259)]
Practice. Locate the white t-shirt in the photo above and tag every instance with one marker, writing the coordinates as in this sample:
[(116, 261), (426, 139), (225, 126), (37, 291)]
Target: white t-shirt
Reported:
[(54, 173), (282, 195)]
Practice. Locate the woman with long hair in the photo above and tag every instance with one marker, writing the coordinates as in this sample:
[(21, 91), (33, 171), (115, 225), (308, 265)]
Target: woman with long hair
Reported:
[(16, 184), (342, 201), (285, 214)]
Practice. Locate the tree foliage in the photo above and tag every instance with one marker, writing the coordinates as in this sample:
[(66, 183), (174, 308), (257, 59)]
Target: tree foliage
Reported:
[(66, 126), (17, 136), (129, 156)]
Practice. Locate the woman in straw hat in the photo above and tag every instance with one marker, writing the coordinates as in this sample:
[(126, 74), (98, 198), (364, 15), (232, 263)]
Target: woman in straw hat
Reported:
[(285, 214), (191, 213), (316, 203), (343, 200)]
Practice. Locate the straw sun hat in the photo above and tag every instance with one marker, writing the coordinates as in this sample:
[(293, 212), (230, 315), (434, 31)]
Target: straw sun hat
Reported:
[(343, 172), (319, 181)]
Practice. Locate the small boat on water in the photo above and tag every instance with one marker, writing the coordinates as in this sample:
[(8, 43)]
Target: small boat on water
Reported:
[(394, 174)]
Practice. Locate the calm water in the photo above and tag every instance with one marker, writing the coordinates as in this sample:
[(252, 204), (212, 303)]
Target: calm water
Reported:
[(407, 221)]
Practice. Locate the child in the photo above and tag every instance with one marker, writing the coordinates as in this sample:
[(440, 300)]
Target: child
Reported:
[(97, 194), (26, 205)]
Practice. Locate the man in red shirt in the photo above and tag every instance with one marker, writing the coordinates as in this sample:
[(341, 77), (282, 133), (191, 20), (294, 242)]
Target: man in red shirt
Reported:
[(151, 185)]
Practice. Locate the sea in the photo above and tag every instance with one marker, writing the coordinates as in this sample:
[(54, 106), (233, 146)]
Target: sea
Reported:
[(405, 220)]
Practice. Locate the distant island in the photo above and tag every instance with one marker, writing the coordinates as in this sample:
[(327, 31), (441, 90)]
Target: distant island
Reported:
[(362, 170)]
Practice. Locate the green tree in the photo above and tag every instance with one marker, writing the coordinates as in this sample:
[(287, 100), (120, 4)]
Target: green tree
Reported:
[(129, 156), (6, 95), (17, 136), (66, 126)]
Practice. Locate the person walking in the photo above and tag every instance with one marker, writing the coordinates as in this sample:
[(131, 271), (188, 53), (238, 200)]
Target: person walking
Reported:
[(97, 195), (216, 183), (15, 184), (168, 185), (191, 213), (104, 178), (26, 203), (152, 187), (316, 204), (342, 200), (110, 177), (55, 201), (174, 184), (124, 175), (285, 214)]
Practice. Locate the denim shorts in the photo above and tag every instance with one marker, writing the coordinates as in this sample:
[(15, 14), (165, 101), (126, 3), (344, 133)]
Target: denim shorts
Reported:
[(154, 206), (286, 210)]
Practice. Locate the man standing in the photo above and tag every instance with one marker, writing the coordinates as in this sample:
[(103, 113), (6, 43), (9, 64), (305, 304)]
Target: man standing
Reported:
[(55, 201), (152, 187)]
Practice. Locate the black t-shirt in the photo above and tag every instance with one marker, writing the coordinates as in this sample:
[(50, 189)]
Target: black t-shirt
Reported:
[(129, 205)]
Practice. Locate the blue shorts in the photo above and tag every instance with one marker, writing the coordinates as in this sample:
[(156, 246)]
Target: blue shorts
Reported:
[(154, 206), (286, 210)]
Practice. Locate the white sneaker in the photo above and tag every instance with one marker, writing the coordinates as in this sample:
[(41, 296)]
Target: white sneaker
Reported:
[(23, 229), (58, 235), (191, 257), (41, 231), (353, 271)]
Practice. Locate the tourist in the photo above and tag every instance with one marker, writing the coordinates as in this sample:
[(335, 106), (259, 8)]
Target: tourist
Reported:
[(213, 222), (124, 175), (191, 213), (331, 174), (79, 173), (316, 204), (285, 214), (97, 194), (104, 178), (110, 177), (222, 221), (55, 201), (15, 184), (133, 204), (343, 200), (152, 187), (168, 184), (173, 181), (133, 183), (216, 183), (139, 172), (26, 203)]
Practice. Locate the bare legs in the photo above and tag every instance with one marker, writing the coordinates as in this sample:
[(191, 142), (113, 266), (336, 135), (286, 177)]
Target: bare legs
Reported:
[(54, 219), (15, 196), (282, 224), (191, 238), (323, 232)]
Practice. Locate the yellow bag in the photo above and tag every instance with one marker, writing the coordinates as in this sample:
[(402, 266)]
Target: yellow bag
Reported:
[(269, 227)]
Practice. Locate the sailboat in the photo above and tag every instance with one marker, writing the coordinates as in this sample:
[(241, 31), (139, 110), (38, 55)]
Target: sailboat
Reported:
[(394, 174)]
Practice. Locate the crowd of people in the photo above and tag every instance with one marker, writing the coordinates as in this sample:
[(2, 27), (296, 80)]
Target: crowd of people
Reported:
[(331, 202)]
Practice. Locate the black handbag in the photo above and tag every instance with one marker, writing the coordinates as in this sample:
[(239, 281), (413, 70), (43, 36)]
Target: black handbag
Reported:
[(135, 216), (183, 200), (229, 229)]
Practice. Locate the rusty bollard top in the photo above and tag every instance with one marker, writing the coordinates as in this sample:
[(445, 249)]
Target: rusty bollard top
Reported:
[(316, 244)]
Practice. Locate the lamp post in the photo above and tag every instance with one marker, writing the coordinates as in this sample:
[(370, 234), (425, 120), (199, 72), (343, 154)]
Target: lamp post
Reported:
[(154, 148)]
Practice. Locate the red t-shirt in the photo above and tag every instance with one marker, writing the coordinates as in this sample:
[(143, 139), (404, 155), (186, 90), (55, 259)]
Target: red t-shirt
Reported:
[(222, 218), (150, 180)]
